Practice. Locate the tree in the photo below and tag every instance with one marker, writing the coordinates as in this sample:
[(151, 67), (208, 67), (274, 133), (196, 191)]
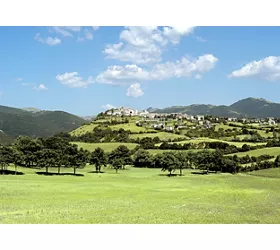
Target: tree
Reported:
[(117, 164), (6, 155), (98, 158), (169, 162), (47, 158), (182, 161), (142, 159), (123, 154), (17, 158), (29, 147), (76, 158), (277, 161)]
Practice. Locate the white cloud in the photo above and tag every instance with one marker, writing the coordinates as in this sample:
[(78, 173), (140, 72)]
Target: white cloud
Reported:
[(49, 40), (87, 36), (72, 80), (95, 27), (267, 69), (40, 87), (19, 79), (123, 75), (144, 45), (62, 31), (176, 32), (108, 106), (134, 90)]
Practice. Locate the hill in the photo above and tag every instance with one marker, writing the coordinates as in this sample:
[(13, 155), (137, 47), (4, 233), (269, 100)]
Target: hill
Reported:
[(15, 122), (249, 107)]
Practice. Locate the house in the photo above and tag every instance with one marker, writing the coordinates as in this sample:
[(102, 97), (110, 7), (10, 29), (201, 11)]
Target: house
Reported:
[(232, 119), (169, 128), (157, 125), (200, 117), (144, 113), (200, 122)]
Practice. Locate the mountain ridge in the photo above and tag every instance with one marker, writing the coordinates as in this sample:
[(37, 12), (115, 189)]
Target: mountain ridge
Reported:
[(248, 107)]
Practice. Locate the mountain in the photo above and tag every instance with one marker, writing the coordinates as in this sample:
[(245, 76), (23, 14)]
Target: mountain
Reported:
[(31, 109), (257, 107), (249, 107), (15, 122)]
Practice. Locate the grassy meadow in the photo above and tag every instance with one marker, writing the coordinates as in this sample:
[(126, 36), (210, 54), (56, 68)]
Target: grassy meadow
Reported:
[(140, 196), (107, 147)]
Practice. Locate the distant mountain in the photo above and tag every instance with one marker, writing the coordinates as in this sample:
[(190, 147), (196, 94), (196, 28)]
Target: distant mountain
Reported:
[(249, 107), (15, 122), (88, 118), (31, 109)]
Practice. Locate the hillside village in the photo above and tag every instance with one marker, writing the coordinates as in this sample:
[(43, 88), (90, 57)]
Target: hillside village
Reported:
[(158, 120)]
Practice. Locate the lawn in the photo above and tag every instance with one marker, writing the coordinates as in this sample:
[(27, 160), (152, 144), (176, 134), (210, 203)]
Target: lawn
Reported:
[(107, 147), (137, 196), (162, 135), (84, 129), (130, 126), (206, 139), (257, 152), (159, 151)]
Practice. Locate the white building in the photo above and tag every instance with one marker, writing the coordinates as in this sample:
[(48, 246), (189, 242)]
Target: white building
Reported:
[(200, 117)]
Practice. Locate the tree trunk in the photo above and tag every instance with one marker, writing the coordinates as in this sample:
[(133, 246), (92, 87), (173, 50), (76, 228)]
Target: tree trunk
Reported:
[(15, 169), (47, 169), (74, 170), (58, 170), (116, 170), (97, 168), (180, 171), (170, 172)]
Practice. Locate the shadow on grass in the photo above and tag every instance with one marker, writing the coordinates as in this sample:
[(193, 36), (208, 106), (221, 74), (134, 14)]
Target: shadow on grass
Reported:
[(56, 174), (168, 175), (10, 172), (95, 172)]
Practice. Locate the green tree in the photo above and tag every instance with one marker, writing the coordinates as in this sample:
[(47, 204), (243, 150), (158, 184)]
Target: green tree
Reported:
[(123, 154), (142, 159), (169, 162), (98, 158)]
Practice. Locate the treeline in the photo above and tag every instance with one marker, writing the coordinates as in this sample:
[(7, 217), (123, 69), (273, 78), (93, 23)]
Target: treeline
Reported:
[(205, 160)]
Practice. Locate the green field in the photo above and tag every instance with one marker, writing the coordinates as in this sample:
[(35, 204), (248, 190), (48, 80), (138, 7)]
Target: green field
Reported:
[(257, 152), (140, 196), (130, 126), (107, 147), (161, 135), (205, 139), (159, 151), (83, 129)]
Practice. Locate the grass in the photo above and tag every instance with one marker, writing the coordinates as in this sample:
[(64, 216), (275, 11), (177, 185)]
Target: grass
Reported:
[(161, 135), (159, 151), (257, 152), (140, 196), (84, 129), (130, 126), (107, 147), (206, 139)]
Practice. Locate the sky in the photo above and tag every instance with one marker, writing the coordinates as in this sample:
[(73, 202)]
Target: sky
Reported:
[(86, 70)]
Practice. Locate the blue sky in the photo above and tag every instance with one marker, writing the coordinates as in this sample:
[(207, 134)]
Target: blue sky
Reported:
[(83, 70)]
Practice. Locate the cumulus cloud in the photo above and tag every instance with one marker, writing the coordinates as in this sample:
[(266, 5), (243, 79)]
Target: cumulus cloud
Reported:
[(176, 32), (49, 40), (134, 90), (123, 75), (72, 80), (144, 44), (40, 87), (81, 33), (267, 69), (19, 79), (107, 106)]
